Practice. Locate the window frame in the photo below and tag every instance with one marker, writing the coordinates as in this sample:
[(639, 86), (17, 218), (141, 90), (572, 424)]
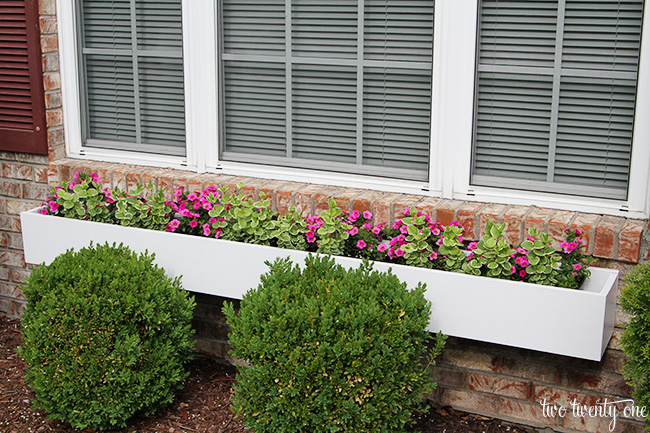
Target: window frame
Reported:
[(452, 116)]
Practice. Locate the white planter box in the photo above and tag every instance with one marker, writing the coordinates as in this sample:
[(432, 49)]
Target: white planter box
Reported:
[(576, 323)]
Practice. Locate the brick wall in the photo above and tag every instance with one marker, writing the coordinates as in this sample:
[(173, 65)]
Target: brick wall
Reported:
[(483, 378)]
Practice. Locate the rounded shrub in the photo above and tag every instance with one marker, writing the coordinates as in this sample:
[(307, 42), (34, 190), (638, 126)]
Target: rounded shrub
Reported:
[(106, 335), (635, 300), (330, 349)]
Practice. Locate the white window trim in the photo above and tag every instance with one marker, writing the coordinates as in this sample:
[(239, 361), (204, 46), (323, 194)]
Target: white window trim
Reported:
[(451, 125)]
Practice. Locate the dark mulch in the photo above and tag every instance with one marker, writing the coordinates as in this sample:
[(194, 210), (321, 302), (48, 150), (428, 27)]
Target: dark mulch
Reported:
[(203, 405)]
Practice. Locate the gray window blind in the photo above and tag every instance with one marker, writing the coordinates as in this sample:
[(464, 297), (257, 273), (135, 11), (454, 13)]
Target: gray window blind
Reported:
[(340, 85), (133, 75), (555, 98)]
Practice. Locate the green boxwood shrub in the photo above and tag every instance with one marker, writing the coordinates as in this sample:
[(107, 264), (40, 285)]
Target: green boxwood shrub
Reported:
[(106, 335), (330, 350), (635, 300)]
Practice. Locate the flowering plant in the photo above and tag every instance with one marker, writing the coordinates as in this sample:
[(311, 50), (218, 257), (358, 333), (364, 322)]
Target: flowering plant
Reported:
[(414, 240), (574, 268)]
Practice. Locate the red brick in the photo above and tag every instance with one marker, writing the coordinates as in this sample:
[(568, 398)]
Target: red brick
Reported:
[(321, 199), (593, 424), (48, 25), (513, 219), (621, 317), (428, 206), (586, 224), (11, 189), (538, 218), (15, 207), (251, 185), (56, 137), (4, 240), (11, 290), (53, 100), (499, 385), (54, 117), (304, 198), (605, 236), (345, 198), (471, 401), (51, 81), (17, 171), (210, 179), (525, 369), (468, 215), (14, 240), (231, 183), (4, 270), (561, 397), (613, 361), (470, 360), (36, 191), (445, 376), (12, 258), (269, 189), (629, 241), (607, 383), (491, 212), (446, 211), (404, 202), (633, 427), (40, 174), (557, 225), (50, 62), (10, 223), (525, 412), (49, 43), (18, 275), (284, 196), (364, 201), (382, 208), (12, 307), (47, 7)]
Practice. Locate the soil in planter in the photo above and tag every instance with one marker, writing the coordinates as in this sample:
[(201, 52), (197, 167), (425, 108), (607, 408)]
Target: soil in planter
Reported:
[(203, 405)]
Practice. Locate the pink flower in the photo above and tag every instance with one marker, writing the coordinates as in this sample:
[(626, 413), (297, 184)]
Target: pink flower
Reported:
[(396, 224), (579, 240), (406, 211), (173, 225), (206, 229), (353, 231), (435, 231), (191, 196), (512, 269), (472, 246), (212, 220), (75, 176), (577, 266), (311, 239), (376, 230), (207, 205), (404, 229), (399, 252), (194, 223), (361, 244), (43, 211), (470, 256), (354, 215), (218, 233), (367, 214), (522, 273), (53, 205), (95, 178), (578, 232), (178, 194), (530, 238), (521, 250), (382, 247), (433, 255)]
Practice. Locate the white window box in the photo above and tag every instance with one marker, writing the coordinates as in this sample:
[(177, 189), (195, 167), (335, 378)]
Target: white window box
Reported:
[(577, 323)]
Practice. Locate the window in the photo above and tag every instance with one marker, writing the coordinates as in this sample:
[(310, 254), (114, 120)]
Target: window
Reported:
[(22, 104), (556, 93), (336, 85), (132, 67)]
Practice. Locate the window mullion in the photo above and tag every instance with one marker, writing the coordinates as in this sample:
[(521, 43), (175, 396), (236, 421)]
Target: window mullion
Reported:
[(288, 78), (557, 77), (136, 73), (360, 54)]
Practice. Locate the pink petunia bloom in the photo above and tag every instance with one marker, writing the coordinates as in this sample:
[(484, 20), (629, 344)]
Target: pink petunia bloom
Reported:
[(577, 266), (194, 223), (361, 244), (400, 252), (217, 233), (367, 214), (470, 256), (212, 220), (191, 196), (376, 230), (579, 240), (311, 239), (472, 246), (440, 241), (433, 255), (522, 273), (578, 232), (382, 247), (206, 229), (521, 250), (75, 176), (43, 211), (178, 194), (396, 224), (207, 205), (197, 205), (353, 231), (513, 270), (435, 231), (404, 229), (530, 238), (173, 225), (95, 178), (53, 205), (406, 211)]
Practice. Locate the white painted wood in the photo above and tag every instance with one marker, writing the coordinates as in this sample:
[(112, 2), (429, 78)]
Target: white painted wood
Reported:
[(577, 323)]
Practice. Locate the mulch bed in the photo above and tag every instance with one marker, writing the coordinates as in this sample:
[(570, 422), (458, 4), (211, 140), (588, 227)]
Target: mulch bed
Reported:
[(203, 405)]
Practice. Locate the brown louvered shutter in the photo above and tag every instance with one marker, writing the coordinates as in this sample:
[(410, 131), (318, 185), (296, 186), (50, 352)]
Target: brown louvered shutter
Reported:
[(22, 100)]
